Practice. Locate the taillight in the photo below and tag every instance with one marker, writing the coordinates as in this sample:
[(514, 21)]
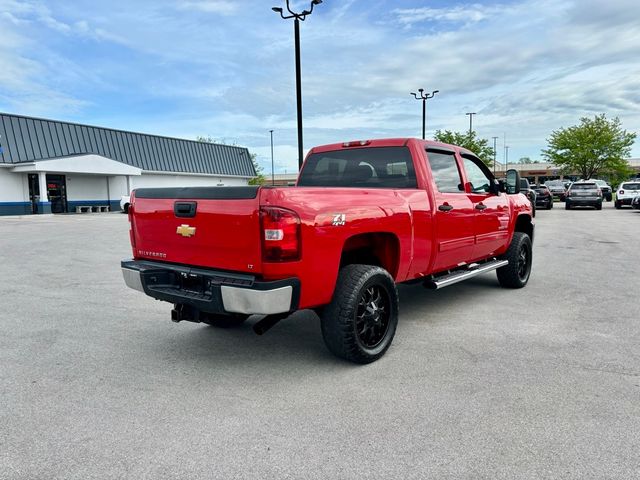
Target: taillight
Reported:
[(132, 237), (280, 234), (621, 192)]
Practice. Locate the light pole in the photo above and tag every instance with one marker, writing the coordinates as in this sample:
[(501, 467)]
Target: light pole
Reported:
[(273, 178), (471, 114), (424, 97), (495, 146), (298, 17), (506, 156)]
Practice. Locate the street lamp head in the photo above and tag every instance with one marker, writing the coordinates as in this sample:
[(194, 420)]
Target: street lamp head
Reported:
[(276, 9), (316, 2), (421, 90), (434, 92), (305, 12)]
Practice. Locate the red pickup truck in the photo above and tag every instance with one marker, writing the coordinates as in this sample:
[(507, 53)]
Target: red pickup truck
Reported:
[(362, 217)]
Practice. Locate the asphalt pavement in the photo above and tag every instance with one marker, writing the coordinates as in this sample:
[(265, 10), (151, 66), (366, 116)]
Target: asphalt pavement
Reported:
[(481, 382)]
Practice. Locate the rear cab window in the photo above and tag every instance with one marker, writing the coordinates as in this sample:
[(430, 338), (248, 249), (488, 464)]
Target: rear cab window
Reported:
[(630, 186), (371, 167)]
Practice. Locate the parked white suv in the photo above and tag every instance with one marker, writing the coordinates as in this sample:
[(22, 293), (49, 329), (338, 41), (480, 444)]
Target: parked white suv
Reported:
[(625, 193), (125, 200)]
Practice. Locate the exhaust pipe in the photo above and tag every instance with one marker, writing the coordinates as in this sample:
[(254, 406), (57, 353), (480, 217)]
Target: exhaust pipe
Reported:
[(264, 325)]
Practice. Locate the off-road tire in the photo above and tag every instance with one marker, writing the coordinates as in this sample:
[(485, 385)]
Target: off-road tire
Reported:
[(513, 275), (223, 321), (340, 319)]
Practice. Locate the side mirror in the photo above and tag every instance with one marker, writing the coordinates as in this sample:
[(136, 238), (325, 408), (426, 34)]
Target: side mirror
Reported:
[(513, 181)]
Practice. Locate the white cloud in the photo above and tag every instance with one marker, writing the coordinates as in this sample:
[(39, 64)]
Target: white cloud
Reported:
[(220, 7)]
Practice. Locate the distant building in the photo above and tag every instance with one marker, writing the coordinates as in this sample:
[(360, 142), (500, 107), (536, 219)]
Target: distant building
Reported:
[(541, 172), (49, 166)]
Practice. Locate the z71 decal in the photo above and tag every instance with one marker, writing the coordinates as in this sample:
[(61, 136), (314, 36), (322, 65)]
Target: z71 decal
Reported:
[(339, 219)]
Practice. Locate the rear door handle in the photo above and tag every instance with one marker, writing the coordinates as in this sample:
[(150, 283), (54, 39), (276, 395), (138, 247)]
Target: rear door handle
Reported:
[(481, 206), (445, 207)]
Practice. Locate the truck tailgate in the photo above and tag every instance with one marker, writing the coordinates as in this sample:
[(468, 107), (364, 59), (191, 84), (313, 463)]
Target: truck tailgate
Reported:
[(217, 227)]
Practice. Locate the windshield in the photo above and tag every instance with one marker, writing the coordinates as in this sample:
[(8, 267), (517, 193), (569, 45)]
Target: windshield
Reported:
[(584, 186), (373, 167)]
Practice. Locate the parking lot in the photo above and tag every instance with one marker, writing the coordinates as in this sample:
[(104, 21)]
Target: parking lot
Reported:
[(480, 382)]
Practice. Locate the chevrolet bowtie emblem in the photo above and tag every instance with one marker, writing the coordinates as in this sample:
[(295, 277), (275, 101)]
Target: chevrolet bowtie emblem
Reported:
[(186, 230)]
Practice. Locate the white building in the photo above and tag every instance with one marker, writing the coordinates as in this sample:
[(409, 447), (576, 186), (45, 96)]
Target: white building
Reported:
[(49, 166)]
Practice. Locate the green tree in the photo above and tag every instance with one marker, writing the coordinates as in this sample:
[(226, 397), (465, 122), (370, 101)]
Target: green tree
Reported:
[(596, 147), (525, 160), (468, 140), (259, 179)]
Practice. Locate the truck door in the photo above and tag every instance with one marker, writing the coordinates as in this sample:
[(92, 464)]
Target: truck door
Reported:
[(454, 233), (491, 209)]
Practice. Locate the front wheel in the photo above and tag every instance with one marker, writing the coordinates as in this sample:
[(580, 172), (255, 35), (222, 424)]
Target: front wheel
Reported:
[(516, 274), (360, 322), (617, 204)]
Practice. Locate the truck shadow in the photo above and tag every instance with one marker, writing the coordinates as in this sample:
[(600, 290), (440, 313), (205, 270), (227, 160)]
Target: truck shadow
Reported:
[(415, 298), (296, 342)]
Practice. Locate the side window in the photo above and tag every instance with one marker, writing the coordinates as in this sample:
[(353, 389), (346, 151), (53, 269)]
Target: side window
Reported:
[(479, 180), (445, 171)]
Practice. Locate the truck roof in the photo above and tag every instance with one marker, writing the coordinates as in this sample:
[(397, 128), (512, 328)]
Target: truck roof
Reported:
[(383, 142)]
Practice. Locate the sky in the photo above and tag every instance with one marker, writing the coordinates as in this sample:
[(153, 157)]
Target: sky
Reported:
[(225, 69)]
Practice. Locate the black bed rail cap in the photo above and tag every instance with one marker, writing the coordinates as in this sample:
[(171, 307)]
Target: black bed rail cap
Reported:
[(202, 193)]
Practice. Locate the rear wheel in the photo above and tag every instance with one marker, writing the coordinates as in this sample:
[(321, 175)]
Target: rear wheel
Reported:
[(516, 274), (223, 321), (360, 322), (567, 206), (617, 204), (599, 206)]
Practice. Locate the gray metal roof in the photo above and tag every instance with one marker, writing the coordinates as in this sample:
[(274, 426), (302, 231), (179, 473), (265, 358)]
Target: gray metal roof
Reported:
[(25, 139)]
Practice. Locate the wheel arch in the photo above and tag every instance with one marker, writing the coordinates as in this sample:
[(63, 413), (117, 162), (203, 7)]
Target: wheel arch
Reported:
[(381, 249), (524, 224)]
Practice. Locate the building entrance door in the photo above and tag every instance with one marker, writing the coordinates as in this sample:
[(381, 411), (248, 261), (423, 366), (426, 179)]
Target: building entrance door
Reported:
[(34, 192), (57, 191)]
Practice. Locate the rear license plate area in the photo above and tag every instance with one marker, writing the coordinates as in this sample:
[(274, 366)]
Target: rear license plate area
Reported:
[(192, 283)]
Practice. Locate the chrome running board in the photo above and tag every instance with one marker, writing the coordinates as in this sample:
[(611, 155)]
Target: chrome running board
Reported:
[(460, 275)]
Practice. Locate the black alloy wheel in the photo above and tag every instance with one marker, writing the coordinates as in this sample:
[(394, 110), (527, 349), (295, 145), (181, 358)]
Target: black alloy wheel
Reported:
[(524, 262), (360, 322), (520, 255), (372, 316)]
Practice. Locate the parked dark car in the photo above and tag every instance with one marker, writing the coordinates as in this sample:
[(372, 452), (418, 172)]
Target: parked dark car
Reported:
[(525, 188), (583, 194), (557, 188), (607, 191), (544, 198)]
